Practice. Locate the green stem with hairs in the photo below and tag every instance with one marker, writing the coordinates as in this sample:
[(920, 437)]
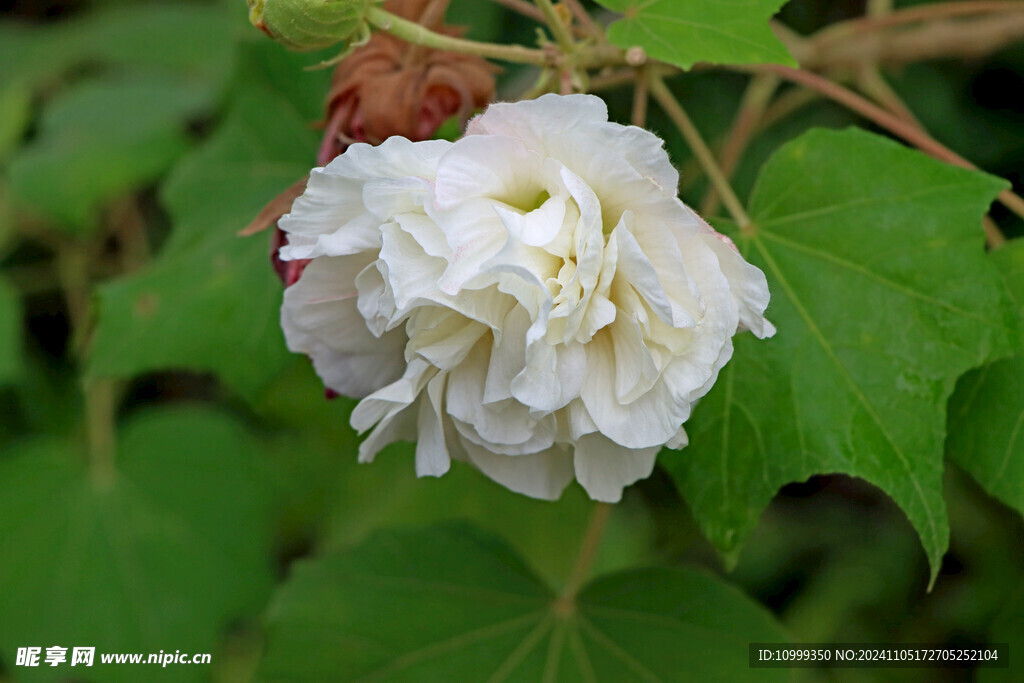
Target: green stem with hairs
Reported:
[(416, 34), (693, 138)]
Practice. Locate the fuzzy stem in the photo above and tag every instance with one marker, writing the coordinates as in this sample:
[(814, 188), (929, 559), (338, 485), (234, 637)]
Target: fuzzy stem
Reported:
[(583, 17), (700, 149), (755, 101), (638, 115), (100, 410), (412, 32), (558, 28)]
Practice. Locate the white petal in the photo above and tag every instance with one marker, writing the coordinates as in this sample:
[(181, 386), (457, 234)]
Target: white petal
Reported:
[(680, 440), (746, 281), (320, 318), (432, 458), (650, 420), (388, 197), (505, 423), (541, 475), (388, 401), (375, 302), (508, 355), (536, 121), (330, 217), (495, 167), (635, 369), (444, 338), (412, 273), (604, 468), (399, 427), (475, 234), (552, 376)]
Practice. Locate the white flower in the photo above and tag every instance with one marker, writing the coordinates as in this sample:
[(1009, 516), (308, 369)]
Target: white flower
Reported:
[(532, 298)]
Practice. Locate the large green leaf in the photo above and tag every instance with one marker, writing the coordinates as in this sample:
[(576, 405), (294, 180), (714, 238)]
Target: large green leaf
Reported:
[(986, 414), (450, 603), (882, 296), (387, 492), (212, 308), (211, 300), (1008, 627), (158, 558), (10, 334), (329, 494), (683, 32), (184, 37), (101, 139)]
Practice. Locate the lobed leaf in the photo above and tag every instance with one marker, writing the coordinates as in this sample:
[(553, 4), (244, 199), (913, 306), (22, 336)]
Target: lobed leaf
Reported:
[(210, 300), (101, 139), (986, 414), (684, 32), (882, 296), (450, 603), (162, 557)]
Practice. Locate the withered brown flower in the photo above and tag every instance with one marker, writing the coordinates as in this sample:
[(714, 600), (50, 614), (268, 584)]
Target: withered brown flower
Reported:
[(389, 87)]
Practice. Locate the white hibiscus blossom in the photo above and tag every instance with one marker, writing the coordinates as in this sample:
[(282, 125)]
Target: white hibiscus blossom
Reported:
[(532, 298)]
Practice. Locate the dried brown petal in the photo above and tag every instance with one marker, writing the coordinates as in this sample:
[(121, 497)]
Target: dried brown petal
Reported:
[(389, 87)]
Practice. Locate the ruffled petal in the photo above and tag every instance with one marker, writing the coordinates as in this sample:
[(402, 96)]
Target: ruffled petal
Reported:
[(541, 475), (320, 318), (604, 468)]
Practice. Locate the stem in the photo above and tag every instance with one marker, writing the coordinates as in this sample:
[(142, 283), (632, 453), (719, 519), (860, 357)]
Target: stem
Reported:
[(101, 396), (587, 554), (693, 138), (524, 8), (412, 32), (878, 8), (787, 104), (431, 18), (638, 116), (890, 122), (912, 15), (994, 237), (100, 412), (755, 101), (583, 17), (558, 28), (872, 83)]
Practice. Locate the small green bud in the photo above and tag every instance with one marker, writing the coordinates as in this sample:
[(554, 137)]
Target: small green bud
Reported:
[(309, 24)]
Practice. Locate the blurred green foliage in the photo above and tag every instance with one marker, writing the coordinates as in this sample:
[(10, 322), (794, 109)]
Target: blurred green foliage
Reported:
[(211, 501)]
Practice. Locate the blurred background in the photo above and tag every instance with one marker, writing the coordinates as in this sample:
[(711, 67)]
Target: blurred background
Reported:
[(164, 460)]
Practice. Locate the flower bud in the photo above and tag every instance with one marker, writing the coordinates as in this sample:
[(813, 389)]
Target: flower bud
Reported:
[(308, 24)]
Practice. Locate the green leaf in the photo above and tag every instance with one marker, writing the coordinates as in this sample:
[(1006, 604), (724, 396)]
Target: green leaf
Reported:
[(1008, 627), (10, 334), (159, 559), (684, 32), (101, 139), (986, 414), (327, 491), (882, 296), (387, 492), (15, 111), (213, 308), (450, 603), (211, 300), (187, 38)]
